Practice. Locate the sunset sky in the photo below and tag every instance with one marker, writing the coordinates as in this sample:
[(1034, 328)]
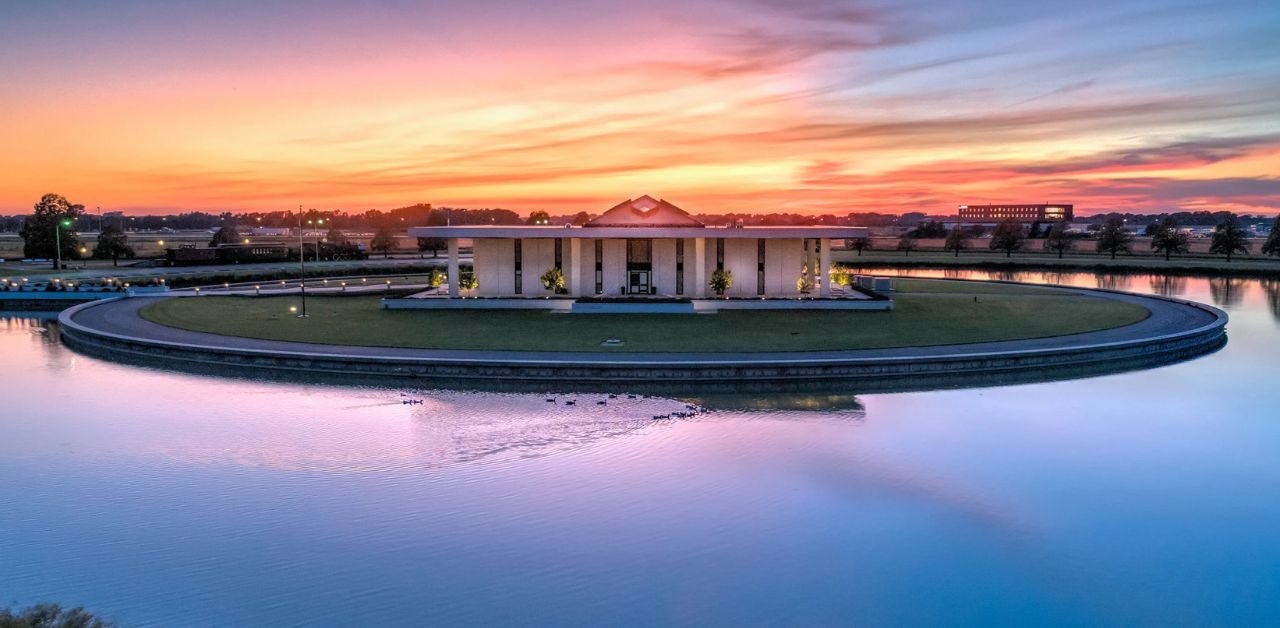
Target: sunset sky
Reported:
[(762, 105)]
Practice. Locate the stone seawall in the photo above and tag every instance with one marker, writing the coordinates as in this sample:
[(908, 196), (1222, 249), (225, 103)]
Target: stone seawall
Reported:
[(885, 371)]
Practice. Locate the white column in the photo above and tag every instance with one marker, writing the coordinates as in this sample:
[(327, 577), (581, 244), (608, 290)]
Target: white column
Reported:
[(453, 267), (699, 268), (824, 267), (573, 276)]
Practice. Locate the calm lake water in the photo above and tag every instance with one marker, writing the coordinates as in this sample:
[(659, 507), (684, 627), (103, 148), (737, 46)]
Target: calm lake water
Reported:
[(1146, 498)]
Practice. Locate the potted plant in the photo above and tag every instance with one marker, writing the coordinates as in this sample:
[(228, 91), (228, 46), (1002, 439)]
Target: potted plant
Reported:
[(468, 283), (721, 280), (553, 280), (804, 285)]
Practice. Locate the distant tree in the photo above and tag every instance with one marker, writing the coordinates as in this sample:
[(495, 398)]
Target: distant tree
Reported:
[(1034, 231), (1165, 238), (539, 218), (1272, 245), (581, 218), (1058, 239), (383, 241), (228, 234), (553, 280), (1007, 237), (1229, 238), (437, 218), (51, 616), (38, 230), (112, 243), (860, 245), (720, 281), (1113, 238), (957, 240), (335, 237), (431, 244), (906, 244)]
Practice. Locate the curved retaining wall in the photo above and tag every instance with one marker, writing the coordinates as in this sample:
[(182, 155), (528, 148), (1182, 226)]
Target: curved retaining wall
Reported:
[(905, 372)]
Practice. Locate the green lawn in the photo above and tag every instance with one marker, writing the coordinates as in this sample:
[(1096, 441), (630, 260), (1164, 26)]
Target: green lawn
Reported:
[(928, 313)]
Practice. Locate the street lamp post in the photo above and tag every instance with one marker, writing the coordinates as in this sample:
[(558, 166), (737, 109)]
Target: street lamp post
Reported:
[(302, 266), (319, 223), (57, 241)]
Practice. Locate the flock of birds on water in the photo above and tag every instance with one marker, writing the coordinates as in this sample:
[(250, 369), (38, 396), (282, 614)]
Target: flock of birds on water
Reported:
[(690, 410)]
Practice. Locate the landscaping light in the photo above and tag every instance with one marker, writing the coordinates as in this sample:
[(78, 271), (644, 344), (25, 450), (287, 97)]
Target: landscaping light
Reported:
[(197, 292)]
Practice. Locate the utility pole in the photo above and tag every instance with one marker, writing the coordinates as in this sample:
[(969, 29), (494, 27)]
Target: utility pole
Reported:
[(302, 266)]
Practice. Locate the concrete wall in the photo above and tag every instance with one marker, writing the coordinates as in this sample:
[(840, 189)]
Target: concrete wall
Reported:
[(494, 263), (783, 261), (495, 266)]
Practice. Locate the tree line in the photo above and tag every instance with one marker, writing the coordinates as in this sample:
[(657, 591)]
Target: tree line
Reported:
[(1229, 238)]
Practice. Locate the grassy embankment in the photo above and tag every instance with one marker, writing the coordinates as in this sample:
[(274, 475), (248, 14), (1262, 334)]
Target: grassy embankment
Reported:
[(929, 312)]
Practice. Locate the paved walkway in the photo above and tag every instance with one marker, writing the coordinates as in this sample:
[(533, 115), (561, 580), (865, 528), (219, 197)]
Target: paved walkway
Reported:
[(1167, 317)]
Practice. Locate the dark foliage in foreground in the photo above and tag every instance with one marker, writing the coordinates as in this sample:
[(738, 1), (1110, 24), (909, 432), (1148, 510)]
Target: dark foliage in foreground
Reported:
[(51, 616)]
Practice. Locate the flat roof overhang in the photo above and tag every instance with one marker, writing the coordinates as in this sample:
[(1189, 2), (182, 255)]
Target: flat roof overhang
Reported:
[(531, 231)]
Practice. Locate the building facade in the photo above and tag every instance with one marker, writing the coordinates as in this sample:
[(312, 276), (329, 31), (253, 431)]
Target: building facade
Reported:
[(644, 248), (1021, 213)]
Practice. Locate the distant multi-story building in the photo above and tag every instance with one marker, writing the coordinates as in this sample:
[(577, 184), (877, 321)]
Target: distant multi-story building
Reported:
[(1020, 213)]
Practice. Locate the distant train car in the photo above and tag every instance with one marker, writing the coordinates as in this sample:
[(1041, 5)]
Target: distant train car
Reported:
[(344, 251), (230, 254)]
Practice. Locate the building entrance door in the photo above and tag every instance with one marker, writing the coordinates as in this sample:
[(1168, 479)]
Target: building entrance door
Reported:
[(639, 282)]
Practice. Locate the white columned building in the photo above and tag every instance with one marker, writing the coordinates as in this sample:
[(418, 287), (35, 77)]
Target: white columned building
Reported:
[(646, 248)]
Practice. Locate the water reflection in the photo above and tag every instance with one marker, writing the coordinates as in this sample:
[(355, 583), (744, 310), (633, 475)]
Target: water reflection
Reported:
[(342, 505), (1108, 281), (842, 403), (1168, 285), (1226, 292), (1271, 289), (1056, 277)]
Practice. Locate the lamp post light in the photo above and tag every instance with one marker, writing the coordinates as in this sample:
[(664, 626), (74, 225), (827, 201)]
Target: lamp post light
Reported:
[(319, 223), (302, 266), (57, 240)]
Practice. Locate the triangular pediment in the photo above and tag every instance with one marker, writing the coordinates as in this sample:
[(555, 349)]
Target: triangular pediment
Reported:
[(645, 211)]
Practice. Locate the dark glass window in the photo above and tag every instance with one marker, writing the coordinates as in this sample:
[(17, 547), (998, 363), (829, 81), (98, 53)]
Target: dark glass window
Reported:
[(519, 266), (559, 252), (760, 266), (599, 266), (639, 251), (719, 253), (679, 267)]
